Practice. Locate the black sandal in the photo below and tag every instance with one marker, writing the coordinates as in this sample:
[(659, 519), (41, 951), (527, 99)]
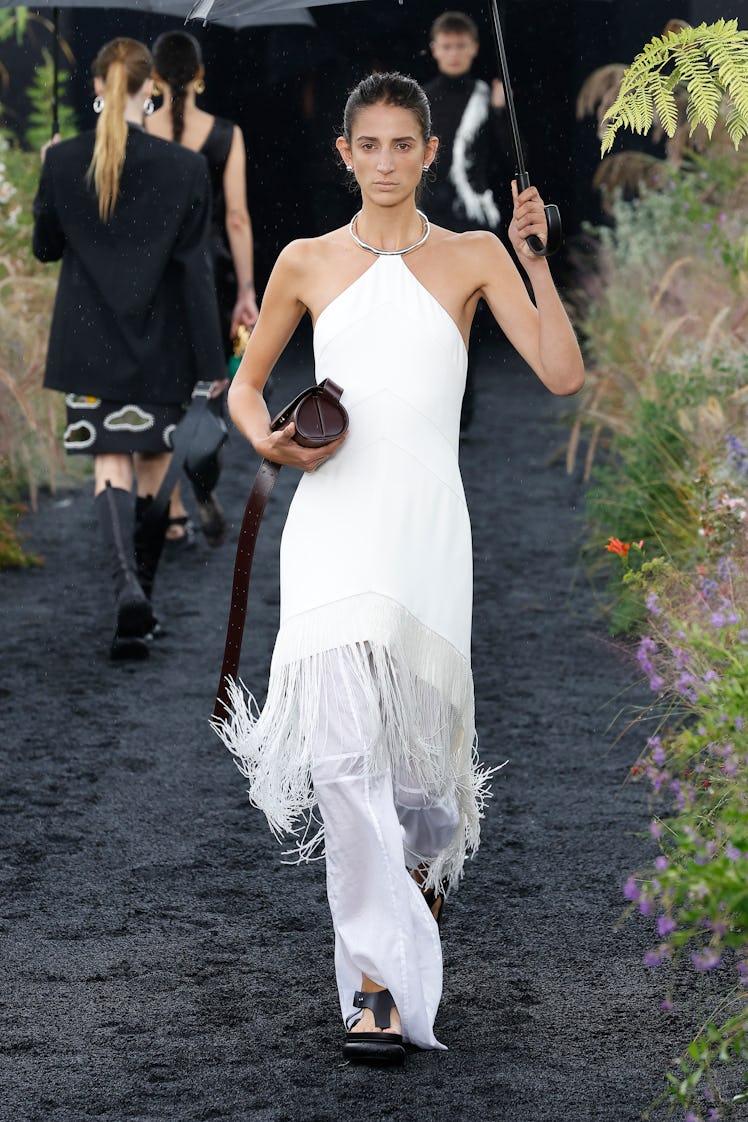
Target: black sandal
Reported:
[(374, 1047), (187, 537)]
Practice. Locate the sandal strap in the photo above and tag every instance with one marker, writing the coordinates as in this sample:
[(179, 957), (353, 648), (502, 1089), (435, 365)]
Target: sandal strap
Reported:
[(381, 1004)]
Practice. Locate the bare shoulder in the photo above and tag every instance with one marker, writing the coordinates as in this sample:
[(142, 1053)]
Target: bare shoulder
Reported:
[(471, 257), (469, 245), (305, 255)]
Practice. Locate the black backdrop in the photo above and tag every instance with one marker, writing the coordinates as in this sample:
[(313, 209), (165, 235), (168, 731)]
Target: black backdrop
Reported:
[(286, 88)]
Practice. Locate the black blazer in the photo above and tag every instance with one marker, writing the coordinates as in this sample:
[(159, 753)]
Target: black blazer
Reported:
[(135, 316)]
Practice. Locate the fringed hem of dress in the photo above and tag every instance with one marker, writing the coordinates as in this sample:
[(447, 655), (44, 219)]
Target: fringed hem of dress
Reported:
[(414, 693)]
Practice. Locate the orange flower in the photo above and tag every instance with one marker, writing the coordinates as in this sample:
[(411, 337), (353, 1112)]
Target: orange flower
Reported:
[(615, 545)]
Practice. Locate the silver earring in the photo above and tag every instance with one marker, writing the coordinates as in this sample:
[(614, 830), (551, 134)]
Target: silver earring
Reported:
[(425, 167), (148, 106), (98, 103), (349, 167)]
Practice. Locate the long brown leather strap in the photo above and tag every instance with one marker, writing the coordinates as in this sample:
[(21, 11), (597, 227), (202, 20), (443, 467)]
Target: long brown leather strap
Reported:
[(322, 429), (259, 495)]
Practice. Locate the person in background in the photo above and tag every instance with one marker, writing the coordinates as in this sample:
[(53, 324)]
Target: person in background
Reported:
[(468, 119), (135, 322), (180, 75)]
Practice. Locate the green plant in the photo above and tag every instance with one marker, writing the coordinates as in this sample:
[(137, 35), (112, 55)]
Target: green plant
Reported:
[(695, 655), (31, 418), (12, 553), (39, 93), (711, 61)]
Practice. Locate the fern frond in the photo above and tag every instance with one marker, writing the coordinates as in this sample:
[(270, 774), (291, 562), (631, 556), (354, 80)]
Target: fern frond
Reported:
[(737, 126), (712, 62), (665, 104)]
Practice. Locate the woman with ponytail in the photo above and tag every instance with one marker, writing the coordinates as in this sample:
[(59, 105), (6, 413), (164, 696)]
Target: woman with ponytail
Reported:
[(135, 322), (179, 72)]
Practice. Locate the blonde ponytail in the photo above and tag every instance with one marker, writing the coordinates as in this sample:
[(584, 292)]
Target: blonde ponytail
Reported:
[(123, 65)]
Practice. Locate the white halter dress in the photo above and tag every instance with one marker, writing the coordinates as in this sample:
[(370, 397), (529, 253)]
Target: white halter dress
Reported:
[(376, 573)]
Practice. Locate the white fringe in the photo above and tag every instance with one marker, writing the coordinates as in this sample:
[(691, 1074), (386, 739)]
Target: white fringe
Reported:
[(414, 691)]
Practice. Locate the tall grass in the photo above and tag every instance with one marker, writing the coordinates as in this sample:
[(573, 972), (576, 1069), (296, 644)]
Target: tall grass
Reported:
[(663, 429)]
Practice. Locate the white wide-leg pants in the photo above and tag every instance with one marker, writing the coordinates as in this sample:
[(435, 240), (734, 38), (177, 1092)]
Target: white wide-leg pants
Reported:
[(377, 826)]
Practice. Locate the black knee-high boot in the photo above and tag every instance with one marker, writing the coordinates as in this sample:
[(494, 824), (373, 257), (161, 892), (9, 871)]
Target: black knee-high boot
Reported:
[(149, 541), (115, 509)]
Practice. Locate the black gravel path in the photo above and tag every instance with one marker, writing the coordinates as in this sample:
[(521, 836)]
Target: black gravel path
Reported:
[(159, 960)]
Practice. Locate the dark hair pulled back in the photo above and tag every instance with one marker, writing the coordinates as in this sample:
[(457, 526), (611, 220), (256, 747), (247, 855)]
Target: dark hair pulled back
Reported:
[(177, 57), (389, 88)]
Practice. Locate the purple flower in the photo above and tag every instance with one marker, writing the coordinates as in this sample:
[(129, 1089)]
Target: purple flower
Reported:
[(631, 890), (705, 960), (711, 676), (655, 958), (691, 1117), (646, 907), (653, 604), (743, 971), (737, 454), (665, 926), (713, 1115), (732, 853), (725, 568), (655, 829), (717, 619), (661, 863), (684, 686), (738, 723), (656, 682), (666, 1005)]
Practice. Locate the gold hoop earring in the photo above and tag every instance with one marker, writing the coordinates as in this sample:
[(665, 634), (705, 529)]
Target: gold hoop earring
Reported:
[(199, 86)]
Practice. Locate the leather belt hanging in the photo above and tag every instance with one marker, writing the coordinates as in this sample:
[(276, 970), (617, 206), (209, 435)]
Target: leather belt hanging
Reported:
[(319, 419)]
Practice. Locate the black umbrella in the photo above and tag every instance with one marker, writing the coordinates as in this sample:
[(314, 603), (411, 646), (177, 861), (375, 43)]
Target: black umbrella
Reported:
[(555, 234), (243, 16), (214, 9)]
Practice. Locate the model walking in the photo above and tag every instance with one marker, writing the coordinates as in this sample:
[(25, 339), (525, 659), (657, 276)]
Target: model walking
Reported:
[(369, 715), (135, 322), (180, 74)]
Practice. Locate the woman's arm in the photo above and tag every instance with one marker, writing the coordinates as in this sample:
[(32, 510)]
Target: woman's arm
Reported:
[(541, 332), (239, 233), (282, 310)]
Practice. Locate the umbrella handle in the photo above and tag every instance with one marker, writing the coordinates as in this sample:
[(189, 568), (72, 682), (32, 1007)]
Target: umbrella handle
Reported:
[(555, 236)]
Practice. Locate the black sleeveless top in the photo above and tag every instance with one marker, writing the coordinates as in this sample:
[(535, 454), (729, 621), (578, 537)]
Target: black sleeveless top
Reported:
[(216, 150)]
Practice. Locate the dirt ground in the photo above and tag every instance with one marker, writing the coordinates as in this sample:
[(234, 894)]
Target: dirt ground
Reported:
[(160, 962)]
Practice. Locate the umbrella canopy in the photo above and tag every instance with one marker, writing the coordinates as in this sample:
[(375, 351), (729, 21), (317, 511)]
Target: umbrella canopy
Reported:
[(235, 16), (214, 10), (243, 16)]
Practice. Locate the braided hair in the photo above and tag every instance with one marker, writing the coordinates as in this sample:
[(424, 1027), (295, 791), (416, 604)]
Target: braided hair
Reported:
[(177, 58)]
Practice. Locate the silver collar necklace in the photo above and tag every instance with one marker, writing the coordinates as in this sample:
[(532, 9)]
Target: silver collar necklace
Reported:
[(390, 252)]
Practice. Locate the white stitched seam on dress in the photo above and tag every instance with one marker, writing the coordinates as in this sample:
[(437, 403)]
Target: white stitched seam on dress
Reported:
[(413, 408), (383, 596)]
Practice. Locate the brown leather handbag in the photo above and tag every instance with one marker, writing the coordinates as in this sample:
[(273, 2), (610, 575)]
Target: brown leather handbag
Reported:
[(320, 418)]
